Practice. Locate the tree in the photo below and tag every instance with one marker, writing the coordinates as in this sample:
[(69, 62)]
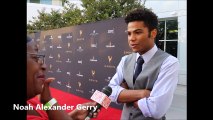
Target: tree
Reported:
[(93, 10), (96, 10), (70, 15), (46, 21)]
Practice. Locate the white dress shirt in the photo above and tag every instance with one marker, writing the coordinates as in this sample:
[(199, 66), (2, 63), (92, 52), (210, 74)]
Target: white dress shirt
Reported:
[(160, 99)]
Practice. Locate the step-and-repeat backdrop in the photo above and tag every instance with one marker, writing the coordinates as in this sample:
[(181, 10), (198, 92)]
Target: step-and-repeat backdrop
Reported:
[(84, 58)]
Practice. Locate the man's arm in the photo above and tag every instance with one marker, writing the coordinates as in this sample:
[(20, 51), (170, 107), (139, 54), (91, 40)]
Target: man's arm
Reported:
[(126, 95), (61, 114), (120, 92), (81, 114), (45, 97), (163, 90)]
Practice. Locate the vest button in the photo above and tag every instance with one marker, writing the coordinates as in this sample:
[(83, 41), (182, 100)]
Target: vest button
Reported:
[(130, 114)]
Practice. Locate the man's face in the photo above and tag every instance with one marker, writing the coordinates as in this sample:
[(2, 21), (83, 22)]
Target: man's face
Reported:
[(139, 38), (35, 71)]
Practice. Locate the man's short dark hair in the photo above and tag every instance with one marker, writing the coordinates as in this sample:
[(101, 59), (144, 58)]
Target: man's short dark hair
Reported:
[(149, 18)]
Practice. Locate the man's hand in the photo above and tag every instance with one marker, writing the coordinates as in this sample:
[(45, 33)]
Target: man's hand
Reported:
[(81, 114), (124, 85), (127, 95), (135, 104), (146, 94), (46, 95)]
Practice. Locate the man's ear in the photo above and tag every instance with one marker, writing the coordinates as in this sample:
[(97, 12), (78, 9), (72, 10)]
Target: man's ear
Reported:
[(153, 33)]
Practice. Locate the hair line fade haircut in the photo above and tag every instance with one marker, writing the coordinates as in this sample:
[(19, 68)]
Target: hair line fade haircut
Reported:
[(149, 18)]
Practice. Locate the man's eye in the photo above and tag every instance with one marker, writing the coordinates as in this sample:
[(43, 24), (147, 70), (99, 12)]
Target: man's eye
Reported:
[(138, 32), (35, 58)]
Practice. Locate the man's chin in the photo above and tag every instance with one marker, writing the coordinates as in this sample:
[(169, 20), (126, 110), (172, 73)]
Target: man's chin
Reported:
[(134, 50)]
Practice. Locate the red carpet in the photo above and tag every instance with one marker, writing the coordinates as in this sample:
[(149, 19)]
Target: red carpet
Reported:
[(72, 100)]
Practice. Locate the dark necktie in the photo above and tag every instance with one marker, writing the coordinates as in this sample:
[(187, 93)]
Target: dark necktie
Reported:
[(138, 69)]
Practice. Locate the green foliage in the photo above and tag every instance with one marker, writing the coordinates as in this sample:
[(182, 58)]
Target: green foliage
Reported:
[(96, 10), (93, 10), (46, 21)]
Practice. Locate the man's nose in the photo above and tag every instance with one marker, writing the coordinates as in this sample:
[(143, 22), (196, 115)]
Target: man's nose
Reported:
[(132, 37), (44, 66)]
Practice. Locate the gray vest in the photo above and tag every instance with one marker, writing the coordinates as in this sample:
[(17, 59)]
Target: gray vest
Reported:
[(145, 80)]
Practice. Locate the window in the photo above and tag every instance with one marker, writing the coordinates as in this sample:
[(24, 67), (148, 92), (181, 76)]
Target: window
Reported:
[(34, 1), (167, 38), (47, 2)]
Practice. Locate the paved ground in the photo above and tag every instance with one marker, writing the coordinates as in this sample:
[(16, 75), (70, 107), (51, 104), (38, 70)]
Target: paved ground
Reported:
[(178, 108)]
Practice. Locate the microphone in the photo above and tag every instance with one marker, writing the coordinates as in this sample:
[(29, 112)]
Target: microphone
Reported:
[(106, 91)]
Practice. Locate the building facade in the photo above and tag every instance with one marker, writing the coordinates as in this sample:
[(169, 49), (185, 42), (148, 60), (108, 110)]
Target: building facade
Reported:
[(47, 2), (172, 30)]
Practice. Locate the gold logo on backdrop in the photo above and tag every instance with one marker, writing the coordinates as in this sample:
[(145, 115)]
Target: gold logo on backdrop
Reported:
[(109, 65), (80, 32), (79, 84), (50, 70), (50, 66), (58, 60), (59, 56), (93, 73), (110, 59), (68, 44)]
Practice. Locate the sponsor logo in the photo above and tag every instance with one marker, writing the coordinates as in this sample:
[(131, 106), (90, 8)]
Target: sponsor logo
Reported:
[(58, 70), (59, 82), (111, 31), (50, 56), (109, 59), (59, 36), (80, 61), (107, 79), (58, 60), (59, 46), (68, 73), (79, 74), (80, 49), (93, 73), (69, 36), (68, 85), (110, 45), (93, 59), (51, 37), (93, 33), (68, 60)]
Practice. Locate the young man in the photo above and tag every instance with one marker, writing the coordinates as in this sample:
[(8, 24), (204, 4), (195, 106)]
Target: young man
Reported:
[(145, 80)]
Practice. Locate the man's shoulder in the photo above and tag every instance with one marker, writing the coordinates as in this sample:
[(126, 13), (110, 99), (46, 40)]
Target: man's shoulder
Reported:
[(171, 59), (170, 56)]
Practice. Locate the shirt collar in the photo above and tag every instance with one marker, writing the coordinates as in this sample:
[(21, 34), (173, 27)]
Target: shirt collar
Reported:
[(148, 55)]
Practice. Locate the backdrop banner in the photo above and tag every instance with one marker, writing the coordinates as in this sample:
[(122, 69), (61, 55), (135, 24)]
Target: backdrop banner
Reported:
[(84, 58)]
